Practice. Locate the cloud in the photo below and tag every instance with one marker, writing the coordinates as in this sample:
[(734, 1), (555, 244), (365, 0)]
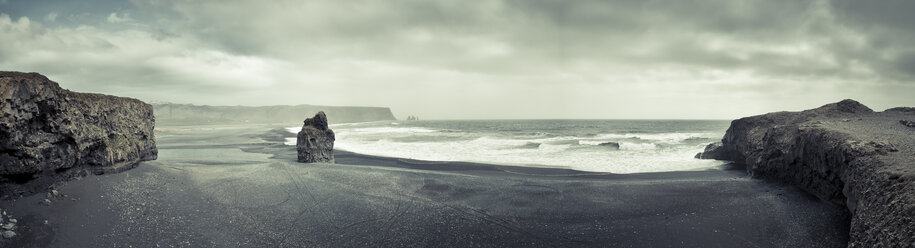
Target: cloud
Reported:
[(531, 58), (114, 18), (139, 63), (751, 35), (51, 17)]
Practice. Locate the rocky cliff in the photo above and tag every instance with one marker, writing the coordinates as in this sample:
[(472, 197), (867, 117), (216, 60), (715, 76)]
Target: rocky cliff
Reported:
[(315, 142), (844, 153), (48, 132), (186, 114)]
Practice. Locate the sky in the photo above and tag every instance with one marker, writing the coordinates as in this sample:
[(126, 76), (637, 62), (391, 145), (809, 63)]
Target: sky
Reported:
[(481, 59)]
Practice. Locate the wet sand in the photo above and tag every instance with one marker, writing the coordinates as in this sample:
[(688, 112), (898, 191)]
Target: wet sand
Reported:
[(238, 186)]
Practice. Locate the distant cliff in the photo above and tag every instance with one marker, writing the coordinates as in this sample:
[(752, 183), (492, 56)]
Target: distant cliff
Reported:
[(186, 114), (844, 153), (47, 132)]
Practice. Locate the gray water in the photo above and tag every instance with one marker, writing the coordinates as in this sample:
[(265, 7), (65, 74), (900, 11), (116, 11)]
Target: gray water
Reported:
[(644, 145)]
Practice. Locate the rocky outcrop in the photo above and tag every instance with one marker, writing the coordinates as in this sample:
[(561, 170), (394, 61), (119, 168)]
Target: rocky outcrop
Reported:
[(186, 114), (844, 153), (315, 143), (47, 131)]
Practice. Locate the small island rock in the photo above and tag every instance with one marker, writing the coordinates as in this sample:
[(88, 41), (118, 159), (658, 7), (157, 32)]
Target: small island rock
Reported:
[(610, 144)]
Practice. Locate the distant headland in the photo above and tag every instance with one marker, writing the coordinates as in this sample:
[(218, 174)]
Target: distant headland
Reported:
[(188, 114)]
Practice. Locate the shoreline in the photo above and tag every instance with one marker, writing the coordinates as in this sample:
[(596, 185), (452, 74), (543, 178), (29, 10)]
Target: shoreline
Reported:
[(233, 187), (349, 157), (352, 158), (608, 146)]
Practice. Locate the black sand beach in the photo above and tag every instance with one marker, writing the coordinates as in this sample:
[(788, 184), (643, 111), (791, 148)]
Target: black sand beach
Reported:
[(239, 186)]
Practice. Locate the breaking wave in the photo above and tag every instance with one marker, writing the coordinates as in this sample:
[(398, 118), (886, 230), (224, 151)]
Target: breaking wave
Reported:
[(528, 143)]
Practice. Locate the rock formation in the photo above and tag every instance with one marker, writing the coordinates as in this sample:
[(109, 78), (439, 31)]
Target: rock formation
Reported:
[(610, 144), (712, 151), (48, 132), (844, 153), (315, 143)]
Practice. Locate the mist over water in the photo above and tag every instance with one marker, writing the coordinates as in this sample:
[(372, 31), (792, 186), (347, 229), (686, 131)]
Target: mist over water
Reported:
[(644, 145)]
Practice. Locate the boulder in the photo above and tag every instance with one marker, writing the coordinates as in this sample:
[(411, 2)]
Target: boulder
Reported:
[(315, 142), (47, 131), (711, 151), (843, 153), (717, 151)]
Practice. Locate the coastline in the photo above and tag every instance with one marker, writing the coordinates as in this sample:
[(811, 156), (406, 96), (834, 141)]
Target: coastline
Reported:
[(352, 158), (844, 153), (240, 186), (614, 146)]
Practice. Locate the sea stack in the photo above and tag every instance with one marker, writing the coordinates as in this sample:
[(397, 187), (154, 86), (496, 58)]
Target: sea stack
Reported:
[(844, 153), (315, 142), (47, 132)]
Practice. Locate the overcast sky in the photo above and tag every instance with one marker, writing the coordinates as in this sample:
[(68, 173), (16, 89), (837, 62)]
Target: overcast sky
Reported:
[(478, 59)]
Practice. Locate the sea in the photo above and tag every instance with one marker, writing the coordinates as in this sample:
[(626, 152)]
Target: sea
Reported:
[(585, 145)]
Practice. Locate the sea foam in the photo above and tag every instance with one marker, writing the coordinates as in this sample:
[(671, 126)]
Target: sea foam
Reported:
[(638, 152)]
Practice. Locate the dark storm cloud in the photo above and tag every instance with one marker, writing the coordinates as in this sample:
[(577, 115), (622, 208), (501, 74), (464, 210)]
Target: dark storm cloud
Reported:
[(64, 12), (539, 34), (888, 14), (722, 16), (582, 53), (888, 28)]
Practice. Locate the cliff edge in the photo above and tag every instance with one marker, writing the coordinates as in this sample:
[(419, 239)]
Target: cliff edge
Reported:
[(844, 153), (48, 133)]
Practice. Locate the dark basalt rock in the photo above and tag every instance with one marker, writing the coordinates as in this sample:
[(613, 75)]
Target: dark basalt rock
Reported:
[(844, 153), (713, 150), (717, 151), (611, 145), (48, 132), (315, 142)]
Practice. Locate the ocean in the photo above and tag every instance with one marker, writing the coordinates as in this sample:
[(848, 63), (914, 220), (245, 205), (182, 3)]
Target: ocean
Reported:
[(643, 145)]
